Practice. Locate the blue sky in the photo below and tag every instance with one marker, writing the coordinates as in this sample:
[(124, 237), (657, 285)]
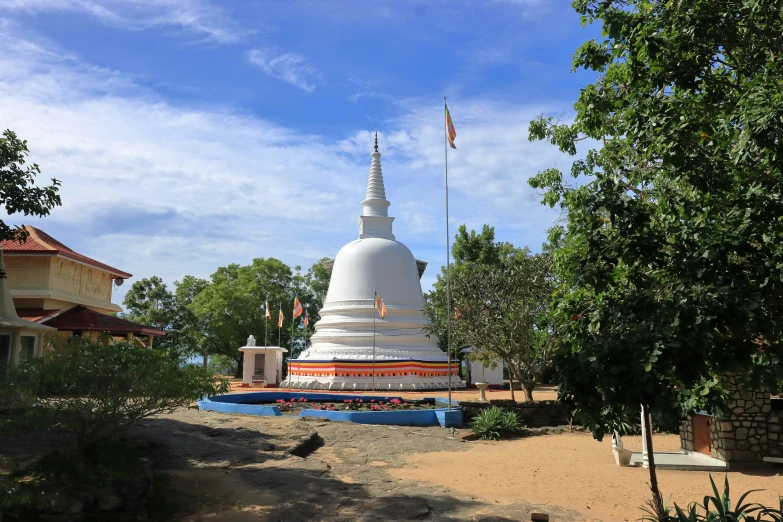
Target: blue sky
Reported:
[(193, 134)]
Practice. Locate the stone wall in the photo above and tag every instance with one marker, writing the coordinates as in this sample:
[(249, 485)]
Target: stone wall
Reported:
[(531, 414), (749, 431)]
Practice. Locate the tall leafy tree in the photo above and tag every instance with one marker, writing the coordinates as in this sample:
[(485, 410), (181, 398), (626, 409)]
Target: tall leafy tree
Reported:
[(469, 251), (502, 310), (671, 259), (230, 307), (18, 192)]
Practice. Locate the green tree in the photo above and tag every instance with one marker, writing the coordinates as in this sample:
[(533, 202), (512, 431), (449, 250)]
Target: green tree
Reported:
[(502, 312), (468, 251), (150, 302), (230, 307), (17, 190), (84, 392), (671, 260)]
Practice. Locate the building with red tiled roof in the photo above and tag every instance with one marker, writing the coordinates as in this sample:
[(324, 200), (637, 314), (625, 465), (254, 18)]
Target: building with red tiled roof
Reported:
[(55, 286), (45, 274)]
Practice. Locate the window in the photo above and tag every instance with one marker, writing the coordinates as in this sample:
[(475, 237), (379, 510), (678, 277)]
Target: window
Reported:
[(27, 350), (5, 349)]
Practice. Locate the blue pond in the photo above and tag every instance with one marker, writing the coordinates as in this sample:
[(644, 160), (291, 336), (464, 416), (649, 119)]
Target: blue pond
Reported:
[(264, 404)]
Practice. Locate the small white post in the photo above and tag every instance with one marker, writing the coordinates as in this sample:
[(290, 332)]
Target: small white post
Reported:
[(645, 422)]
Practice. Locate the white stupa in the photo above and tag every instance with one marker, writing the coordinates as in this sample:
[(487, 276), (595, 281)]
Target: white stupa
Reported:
[(341, 355)]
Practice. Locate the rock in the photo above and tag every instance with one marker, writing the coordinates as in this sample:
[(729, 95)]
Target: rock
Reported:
[(108, 501), (408, 510)]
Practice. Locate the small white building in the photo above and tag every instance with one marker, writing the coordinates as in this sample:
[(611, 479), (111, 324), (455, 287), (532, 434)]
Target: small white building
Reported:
[(263, 365), (492, 374)]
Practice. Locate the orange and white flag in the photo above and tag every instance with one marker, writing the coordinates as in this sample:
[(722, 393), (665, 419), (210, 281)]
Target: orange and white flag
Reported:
[(380, 306), (451, 132)]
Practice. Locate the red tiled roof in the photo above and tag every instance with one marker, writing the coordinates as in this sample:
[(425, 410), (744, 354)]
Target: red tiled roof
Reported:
[(35, 314), (40, 242), (82, 318)]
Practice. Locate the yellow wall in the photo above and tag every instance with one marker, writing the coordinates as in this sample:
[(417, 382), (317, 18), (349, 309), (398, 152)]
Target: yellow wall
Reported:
[(72, 283), (77, 279), (27, 271)]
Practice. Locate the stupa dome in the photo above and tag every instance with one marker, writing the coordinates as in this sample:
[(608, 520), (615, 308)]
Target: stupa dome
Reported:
[(353, 348)]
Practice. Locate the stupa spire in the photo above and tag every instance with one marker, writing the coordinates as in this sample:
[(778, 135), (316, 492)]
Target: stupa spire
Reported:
[(375, 220), (375, 203)]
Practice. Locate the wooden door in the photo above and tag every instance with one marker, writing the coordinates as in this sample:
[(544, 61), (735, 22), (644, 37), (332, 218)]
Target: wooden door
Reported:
[(701, 434)]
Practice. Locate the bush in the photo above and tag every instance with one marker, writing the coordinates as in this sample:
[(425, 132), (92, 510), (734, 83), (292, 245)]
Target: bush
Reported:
[(84, 392), (716, 508), (494, 423)]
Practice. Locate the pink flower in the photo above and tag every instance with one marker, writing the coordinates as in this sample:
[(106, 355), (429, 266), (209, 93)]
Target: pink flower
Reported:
[(347, 401), (372, 400)]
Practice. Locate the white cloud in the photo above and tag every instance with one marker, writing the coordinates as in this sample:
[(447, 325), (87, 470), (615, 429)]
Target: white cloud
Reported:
[(158, 189), (196, 16), (288, 67)]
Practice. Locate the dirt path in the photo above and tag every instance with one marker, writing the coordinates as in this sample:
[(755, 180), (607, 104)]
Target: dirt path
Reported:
[(574, 471), (233, 467)]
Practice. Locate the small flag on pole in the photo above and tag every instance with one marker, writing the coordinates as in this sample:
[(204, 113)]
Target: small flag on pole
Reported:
[(457, 312), (380, 306), (450, 130), (280, 318), (267, 312), (297, 307), (306, 320)]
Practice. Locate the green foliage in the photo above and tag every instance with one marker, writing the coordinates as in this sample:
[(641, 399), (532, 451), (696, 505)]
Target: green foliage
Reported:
[(17, 191), (502, 309), (83, 392), (493, 423), (222, 364), (217, 316), (670, 265), (716, 508)]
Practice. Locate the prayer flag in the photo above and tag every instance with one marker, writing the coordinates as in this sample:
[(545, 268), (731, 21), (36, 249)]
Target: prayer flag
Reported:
[(267, 313), (380, 306), (306, 319), (457, 312), (280, 319), (450, 131), (297, 307)]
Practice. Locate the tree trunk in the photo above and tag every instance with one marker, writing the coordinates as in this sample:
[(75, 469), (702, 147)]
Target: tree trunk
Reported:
[(240, 365), (206, 359), (657, 500), (527, 388), (511, 380)]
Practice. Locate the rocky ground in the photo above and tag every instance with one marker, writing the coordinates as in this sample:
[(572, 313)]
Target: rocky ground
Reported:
[(238, 467)]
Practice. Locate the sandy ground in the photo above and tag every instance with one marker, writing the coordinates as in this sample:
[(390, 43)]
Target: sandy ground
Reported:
[(235, 468), (576, 472)]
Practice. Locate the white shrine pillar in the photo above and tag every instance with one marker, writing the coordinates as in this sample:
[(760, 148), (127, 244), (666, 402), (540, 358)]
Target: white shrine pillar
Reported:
[(645, 422)]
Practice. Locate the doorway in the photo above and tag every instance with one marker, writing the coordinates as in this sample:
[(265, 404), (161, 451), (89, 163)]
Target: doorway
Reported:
[(5, 351), (701, 434), (259, 374)]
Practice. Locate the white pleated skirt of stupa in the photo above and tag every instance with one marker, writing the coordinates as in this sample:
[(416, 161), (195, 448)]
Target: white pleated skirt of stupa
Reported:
[(352, 347)]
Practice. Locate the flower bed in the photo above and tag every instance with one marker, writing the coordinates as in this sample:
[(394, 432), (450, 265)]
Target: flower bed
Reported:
[(297, 405), (362, 409)]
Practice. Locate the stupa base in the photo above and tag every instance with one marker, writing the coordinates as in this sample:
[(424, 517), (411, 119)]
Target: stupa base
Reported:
[(380, 386)]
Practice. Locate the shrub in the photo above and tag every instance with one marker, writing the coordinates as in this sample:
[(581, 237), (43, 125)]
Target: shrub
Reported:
[(84, 392), (717, 508), (494, 422)]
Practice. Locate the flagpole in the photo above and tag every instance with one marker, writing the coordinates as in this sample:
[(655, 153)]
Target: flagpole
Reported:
[(374, 304), (266, 328), (448, 250)]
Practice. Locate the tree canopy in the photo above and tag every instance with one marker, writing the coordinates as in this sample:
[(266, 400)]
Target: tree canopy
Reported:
[(18, 191), (672, 257), (216, 316)]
